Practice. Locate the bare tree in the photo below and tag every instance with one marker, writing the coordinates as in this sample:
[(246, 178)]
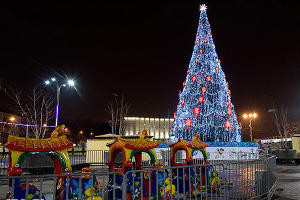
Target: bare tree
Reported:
[(118, 108), (36, 109), (281, 121)]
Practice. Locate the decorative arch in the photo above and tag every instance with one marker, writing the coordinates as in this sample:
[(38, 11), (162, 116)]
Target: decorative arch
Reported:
[(149, 152), (203, 151), (55, 156)]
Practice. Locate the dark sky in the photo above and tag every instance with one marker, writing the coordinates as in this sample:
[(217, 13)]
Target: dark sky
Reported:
[(143, 49)]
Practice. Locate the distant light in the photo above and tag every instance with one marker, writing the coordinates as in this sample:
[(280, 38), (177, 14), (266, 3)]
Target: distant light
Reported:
[(71, 82), (66, 129), (245, 116), (64, 85), (250, 115), (12, 119), (53, 79), (254, 115), (91, 133), (81, 132), (47, 82), (44, 124)]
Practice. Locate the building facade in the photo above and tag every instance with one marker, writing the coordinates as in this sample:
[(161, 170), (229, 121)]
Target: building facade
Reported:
[(159, 128)]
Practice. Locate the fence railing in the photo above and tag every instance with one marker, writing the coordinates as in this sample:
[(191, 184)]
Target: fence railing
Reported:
[(100, 158), (246, 179)]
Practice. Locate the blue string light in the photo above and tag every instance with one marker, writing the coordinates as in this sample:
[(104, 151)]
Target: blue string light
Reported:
[(205, 103)]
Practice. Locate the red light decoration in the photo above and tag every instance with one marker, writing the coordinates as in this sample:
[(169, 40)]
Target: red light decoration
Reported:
[(182, 102), (203, 90), (197, 60), (208, 79), (228, 125), (188, 123), (188, 71), (200, 100), (174, 115), (183, 84), (199, 24), (229, 92), (196, 112), (205, 40), (195, 41), (219, 61), (179, 93), (200, 51), (194, 78), (229, 111), (229, 103), (217, 69)]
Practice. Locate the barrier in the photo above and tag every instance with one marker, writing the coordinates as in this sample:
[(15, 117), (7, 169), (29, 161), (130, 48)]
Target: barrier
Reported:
[(244, 179)]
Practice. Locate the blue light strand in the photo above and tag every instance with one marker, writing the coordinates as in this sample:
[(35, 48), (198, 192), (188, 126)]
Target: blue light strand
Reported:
[(216, 99)]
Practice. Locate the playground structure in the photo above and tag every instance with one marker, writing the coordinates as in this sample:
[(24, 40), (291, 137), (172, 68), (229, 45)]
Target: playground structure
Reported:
[(126, 172), (129, 151), (198, 178), (56, 148)]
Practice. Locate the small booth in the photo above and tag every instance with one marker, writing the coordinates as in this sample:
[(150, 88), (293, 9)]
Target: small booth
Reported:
[(198, 177), (127, 155)]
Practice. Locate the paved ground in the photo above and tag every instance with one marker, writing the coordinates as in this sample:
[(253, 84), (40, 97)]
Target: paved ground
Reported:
[(288, 183)]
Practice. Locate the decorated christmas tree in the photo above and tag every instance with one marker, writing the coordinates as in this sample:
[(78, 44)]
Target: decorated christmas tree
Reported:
[(205, 103)]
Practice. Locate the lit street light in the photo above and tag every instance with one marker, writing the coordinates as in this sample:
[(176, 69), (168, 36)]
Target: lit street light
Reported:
[(58, 85), (12, 119), (250, 116)]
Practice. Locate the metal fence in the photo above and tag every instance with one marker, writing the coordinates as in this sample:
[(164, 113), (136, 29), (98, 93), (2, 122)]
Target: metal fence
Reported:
[(100, 158), (246, 179)]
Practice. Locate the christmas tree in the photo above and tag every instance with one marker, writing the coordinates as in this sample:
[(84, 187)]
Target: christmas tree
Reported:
[(205, 103)]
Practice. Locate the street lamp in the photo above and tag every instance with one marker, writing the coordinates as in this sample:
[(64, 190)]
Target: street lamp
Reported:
[(250, 116), (12, 119), (59, 85)]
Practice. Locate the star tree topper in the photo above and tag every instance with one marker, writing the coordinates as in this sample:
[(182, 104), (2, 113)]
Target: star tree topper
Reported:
[(203, 7)]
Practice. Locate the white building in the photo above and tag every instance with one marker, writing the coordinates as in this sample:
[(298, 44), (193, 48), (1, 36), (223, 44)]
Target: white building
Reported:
[(159, 128)]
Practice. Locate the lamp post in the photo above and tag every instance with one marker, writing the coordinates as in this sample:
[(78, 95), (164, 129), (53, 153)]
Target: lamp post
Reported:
[(250, 116), (58, 85)]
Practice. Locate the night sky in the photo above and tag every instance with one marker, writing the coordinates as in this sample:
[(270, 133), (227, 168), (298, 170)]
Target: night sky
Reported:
[(143, 49)]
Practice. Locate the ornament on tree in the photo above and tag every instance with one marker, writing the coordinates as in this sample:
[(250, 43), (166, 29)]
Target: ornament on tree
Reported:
[(196, 112), (195, 41), (205, 40), (188, 71), (179, 93), (174, 115), (194, 78), (229, 103), (182, 102), (200, 100), (201, 51), (203, 90), (228, 125), (217, 69), (197, 60), (183, 84), (229, 111), (229, 92), (208, 79), (188, 124)]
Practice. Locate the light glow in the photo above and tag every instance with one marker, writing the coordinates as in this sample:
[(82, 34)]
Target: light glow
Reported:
[(203, 7), (53, 79), (12, 118), (47, 82), (71, 82)]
